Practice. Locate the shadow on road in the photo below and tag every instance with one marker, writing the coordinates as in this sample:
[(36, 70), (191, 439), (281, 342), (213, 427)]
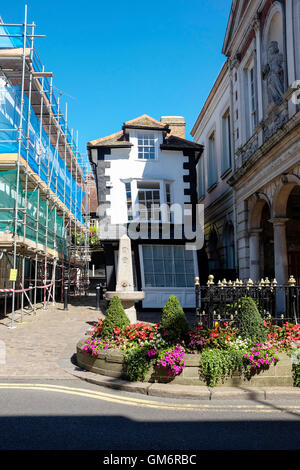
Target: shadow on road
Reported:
[(117, 432)]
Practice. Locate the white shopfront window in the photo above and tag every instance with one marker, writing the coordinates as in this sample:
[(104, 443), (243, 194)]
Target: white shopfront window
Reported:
[(167, 270)]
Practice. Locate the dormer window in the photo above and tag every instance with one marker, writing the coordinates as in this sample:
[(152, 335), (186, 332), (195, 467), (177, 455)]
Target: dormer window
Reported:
[(146, 146)]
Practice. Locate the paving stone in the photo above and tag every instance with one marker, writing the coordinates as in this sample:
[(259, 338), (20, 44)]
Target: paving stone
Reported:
[(36, 345)]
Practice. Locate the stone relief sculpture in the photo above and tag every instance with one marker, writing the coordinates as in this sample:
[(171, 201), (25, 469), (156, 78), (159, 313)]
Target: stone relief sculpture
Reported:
[(274, 75)]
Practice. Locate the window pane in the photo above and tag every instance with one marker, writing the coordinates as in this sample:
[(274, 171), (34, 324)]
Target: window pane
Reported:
[(160, 280), (168, 252), (178, 252), (179, 266), (158, 252), (188, 254), (147, 251), (149, 280), (148, 266), (189, 266), (180, 280), (169, 266), (158, 265), (190, 280), (170, 280)]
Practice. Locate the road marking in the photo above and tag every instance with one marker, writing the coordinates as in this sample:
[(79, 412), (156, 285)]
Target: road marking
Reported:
[(119, 399)]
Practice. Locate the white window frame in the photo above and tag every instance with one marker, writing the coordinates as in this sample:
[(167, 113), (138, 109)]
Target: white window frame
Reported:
[(135, 140), (163, 199), (150, 190), (174, 288)]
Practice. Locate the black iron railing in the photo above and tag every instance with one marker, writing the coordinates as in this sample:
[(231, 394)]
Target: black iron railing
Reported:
[(221, 302)]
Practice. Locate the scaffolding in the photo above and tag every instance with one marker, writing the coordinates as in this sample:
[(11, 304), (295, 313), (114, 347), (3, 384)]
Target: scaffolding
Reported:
[(44, 182)]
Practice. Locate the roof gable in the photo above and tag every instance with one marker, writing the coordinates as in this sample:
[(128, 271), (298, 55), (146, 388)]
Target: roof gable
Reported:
[(144, 121)]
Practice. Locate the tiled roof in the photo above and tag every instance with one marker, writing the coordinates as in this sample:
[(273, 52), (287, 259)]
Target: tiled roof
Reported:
[(113, 140), (145, 121), (173, 142)]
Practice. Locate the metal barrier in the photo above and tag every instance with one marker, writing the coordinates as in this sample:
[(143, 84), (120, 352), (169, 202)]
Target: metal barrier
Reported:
[(221, 302)]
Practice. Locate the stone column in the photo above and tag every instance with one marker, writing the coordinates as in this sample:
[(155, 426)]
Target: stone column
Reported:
[(254, 249), (280, 259), (256, 26), (280, 250)]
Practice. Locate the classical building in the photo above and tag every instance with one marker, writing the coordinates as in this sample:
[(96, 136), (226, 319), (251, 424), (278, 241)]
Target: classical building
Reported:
[(249, 178), (141, 172), (213, 130)]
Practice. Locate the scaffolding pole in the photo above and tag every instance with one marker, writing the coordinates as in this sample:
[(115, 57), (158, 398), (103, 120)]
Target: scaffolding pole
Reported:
[(48, 111)]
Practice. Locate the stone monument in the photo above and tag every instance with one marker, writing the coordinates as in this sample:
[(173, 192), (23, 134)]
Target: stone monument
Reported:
[(125, 286)]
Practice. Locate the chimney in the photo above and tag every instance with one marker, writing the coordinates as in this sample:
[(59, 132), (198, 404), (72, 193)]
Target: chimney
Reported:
[(176, 125)]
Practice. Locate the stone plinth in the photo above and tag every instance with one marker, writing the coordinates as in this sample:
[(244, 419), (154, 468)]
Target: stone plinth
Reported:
[(125, 285)]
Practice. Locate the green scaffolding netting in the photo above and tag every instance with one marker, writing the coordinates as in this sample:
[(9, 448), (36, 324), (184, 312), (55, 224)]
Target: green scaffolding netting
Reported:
[(41, 223)]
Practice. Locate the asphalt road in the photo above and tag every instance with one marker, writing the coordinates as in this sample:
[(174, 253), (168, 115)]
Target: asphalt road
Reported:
[(75, 415)]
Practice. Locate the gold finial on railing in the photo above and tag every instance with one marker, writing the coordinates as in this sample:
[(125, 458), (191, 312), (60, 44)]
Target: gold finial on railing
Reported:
[(229, 283), (220, 284), (274, 282), (292, 281), (196, 281), (224, 282), (250, 283), (210, 280), (267, 282), (262, 283)]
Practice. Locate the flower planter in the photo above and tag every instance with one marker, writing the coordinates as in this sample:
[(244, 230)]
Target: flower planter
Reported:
[(111, 363)]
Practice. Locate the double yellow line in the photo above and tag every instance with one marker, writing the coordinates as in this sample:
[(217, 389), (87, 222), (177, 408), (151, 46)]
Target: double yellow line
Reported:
[(143, 403)]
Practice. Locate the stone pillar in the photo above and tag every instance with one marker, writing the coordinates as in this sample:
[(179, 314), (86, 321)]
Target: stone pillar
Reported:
[(254, 251), (280, 259), (256, 26), (280, 250)]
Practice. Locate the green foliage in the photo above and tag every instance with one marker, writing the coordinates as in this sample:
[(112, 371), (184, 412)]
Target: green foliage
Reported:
[(173, 321), (296, 370), (93, 237), (249, 320), (295, 355), (137, 363), (115, 318), (218, 364)]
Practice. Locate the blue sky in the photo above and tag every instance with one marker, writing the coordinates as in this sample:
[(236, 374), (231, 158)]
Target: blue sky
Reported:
[(119, 59)]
